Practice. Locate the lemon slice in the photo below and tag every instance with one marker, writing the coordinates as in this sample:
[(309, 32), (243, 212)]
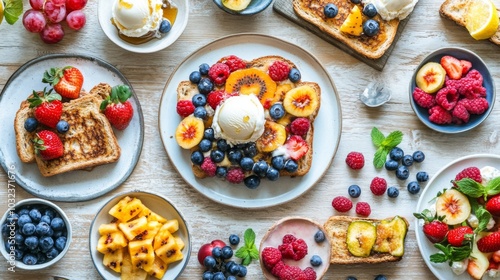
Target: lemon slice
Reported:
[(481, 19), (1, 11)]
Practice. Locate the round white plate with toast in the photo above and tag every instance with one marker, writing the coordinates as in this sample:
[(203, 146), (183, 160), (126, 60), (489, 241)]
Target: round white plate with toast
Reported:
[(437, 183), (328, 123), (77, 185)]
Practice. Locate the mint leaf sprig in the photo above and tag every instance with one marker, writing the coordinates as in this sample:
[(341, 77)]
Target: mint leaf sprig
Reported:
[(248, 251), (451, 253), (474, 189), (384, 145)]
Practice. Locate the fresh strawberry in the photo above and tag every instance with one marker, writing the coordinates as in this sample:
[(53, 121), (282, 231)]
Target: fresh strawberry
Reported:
[(434, 229), (48, 107), (493, 205), (48, 145), (466, 66), (489, 243), (117, 108), (458, 236), (452, 67), (67, 81), (296, 147)]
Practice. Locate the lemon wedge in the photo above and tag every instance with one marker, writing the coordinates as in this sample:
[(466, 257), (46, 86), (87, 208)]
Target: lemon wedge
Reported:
[(481, 19)]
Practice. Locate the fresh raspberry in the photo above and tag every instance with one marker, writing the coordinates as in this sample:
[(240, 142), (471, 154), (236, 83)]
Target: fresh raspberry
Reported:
[(300, 249), (363, 209), (219, 73), (290, 272), (460, 114), (309, 274), (270, 257), (235, 175), (286, 251), (423, 99), (278, 268), (234, 63), (342, 204), (185, 108), (278, 71), (468, 87), (475, 75), (439, 115), (475, 106), (355, 160), (447, 97), (214, 98), (289, 238), (470, 172), (378, 186), (209, 166), (300, 126)]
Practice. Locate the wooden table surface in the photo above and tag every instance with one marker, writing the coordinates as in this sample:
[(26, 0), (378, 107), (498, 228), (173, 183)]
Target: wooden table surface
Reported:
[(148, 73)]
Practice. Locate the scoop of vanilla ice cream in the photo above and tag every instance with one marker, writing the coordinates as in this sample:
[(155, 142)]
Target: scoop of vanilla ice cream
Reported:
[(136, 18), (488, 173), (391, 9), (239, 119)]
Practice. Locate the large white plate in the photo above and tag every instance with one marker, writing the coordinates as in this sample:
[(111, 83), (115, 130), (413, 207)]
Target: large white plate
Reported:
[(75, 185), (327, 125), (439, 182)]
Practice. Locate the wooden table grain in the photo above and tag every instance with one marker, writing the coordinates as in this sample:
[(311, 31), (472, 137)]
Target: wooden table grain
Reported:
[(148, 73)]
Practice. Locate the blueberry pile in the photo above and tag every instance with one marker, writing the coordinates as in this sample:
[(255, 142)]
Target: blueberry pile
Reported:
[(39, 234), (400, 163), (220, 267)]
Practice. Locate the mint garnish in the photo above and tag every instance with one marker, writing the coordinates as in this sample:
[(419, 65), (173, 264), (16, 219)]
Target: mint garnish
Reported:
[(450, 253), (384, 145), (249, 251)]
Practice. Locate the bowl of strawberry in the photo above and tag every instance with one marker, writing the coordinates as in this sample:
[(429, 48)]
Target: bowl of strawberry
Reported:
[(452, 90)]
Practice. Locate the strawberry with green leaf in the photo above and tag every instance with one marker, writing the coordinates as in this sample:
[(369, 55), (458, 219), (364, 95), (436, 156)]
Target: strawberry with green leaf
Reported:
[(384, 145), (48, 145), (117, 108), (67, 81), (48, 107)]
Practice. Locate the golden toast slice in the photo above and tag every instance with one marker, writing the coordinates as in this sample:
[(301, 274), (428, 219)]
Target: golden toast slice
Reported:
[(370, 47)]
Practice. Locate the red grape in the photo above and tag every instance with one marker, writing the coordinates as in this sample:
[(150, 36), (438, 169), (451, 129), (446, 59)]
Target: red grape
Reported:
[(52, 33), (73, 5), (76, 19), (37, 4), (34, 21), (53, 12)]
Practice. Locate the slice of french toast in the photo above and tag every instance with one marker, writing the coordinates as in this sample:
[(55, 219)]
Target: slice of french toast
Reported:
[(89, 142), (370, 47)]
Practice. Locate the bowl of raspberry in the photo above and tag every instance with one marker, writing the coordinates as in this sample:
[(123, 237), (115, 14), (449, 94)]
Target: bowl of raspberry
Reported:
[(452, 90)]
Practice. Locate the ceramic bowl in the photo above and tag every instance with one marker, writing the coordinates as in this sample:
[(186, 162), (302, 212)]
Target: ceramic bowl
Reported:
[(29, 204), (488, 83), (255, 7), (156, 203), (301, 228), (104, 12)]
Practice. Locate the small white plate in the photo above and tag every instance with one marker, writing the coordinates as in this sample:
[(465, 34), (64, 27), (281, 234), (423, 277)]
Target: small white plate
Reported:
[(104, 8), (156, 203), (328, 123), (76, 185), (439, 182)]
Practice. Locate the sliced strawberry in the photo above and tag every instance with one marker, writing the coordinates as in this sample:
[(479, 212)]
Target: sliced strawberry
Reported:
[(48, 145), (458, 236), (493, 205), (48, 107), (296, 147), (489, 243), (452, 67), (466, 66), (117, 109), (67, 81)]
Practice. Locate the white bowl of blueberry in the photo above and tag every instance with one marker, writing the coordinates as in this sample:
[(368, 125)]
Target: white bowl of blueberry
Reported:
[(36, 234)]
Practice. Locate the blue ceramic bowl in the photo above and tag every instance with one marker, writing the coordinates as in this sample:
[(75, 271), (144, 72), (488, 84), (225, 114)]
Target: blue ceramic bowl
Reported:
[(488, 83), (255, 6)]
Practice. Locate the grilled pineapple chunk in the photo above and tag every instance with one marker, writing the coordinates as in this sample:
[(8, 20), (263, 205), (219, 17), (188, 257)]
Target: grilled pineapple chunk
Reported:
[(142, 254), (134, 228), (114, 260), (169, 252), (159, 268), (108, 228), (111, 242), (151, 216), (179, 242), (151, 230), (171, 225), (129, 271), (126, 209), (163, 237)]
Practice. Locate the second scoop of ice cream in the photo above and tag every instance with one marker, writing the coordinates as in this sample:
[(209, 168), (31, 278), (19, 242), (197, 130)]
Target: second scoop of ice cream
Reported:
[(136, 18)]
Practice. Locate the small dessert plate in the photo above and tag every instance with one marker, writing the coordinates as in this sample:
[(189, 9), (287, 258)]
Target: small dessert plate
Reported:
[(255, 7), (104, 8)]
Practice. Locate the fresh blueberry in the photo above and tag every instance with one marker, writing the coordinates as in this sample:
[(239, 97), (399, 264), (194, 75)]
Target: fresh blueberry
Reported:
[(165, 26), (50, 233), (23, 211), (392, 192), (413, 187), (291, 166), (52, 253), (30, 259), (18, 254), (56, 234), (250, 149), (217, 156), (209, 134), (62, 126), (396, 154), (204, 68), (208, 275), (200, 112), (7, 246), (57, 224), (407, 160), (45, 219), (221, 171), (205, 86), (60, 243), (195, 77), (219, 276), (31, 242), (42, 228), (402, 173), (227, 252), (35, 215), (46, 243), (277, 111), (391, 165), (418, 156), (243, 271), (42, 258), (246, 163), (5, 230), (222, 145), (294, 75), (234, 269), (235, 156), (205, 145), (380, 277), (23, 219), (209, 262), (371, 27), (370, 10), (234, 239), (272, 174), (356, 1), (19, 238), (278, 162), (49, 212), (217, 252), (331, 10), (231, 277), (319, 236), (199, 100), (316, 260), (260, 168), (228, 264), (354, 191), (252, 181), (28, 229), (197, 157), (13, 218), (422, 176), (30, 124)]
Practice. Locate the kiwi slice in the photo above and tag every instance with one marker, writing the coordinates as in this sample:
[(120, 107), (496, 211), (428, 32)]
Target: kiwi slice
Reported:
[(391, 236), (361, 236)]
